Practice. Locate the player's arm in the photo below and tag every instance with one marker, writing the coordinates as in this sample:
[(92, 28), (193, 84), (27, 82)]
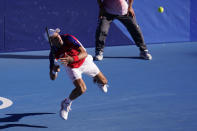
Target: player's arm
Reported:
[(82, 53), (77, 46), (54, 67), (70, 59), (130, 8)]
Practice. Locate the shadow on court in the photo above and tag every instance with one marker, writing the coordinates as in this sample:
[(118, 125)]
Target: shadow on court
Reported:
[(17, 117), (20, 125), (123, 57), (12, 56)]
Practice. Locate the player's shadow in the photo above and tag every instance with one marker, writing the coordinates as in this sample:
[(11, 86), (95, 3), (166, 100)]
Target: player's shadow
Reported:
[(123, 57), (12, 56), (20, 125), (17, 117)]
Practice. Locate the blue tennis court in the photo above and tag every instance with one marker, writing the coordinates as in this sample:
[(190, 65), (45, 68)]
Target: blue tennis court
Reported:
[(156, 95)]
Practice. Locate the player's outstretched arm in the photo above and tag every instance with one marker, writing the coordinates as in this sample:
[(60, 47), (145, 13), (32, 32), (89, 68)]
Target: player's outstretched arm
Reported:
[(53, 67), (56, 68), (53, 74)]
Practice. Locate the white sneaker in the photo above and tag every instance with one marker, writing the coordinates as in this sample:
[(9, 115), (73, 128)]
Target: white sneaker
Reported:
[(145, 55), (65, 108), (98, 56), (104, 88)]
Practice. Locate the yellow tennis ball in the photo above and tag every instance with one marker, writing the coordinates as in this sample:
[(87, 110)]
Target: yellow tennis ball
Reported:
[(161, 9)]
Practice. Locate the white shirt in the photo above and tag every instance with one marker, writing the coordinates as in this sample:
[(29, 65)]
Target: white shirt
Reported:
[(116, 7)]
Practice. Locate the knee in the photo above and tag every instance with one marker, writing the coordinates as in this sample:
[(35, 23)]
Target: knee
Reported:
[(80, 86), (82, 89), (101, 35)]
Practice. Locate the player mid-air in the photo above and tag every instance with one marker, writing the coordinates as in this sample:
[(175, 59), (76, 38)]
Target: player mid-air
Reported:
[(66, 50)]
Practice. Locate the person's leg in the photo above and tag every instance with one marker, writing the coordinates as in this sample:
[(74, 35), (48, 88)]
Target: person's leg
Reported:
[(80, 88), (101, 80), (91, 69), (133, 28), (101, 34)]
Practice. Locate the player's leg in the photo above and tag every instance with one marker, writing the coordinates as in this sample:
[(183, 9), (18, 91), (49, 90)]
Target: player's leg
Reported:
[(91, 69), (101, 80), (101, 34), (133, 28), (80, 88)]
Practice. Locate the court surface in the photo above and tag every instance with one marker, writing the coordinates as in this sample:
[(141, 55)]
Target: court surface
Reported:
[(156, 95)]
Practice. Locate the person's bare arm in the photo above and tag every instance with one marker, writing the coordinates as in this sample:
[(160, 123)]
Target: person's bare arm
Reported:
[(83, 54), (130, 8), (70, 59), (54, 68)]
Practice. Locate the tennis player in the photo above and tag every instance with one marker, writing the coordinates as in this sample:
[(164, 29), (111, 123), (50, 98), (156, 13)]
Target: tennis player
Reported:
[(67, 50)]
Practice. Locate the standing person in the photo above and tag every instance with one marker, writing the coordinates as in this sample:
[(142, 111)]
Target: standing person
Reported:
[(121, 10), (72, 55)]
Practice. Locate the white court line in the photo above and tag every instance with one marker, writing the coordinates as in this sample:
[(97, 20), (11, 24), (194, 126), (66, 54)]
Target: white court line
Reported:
[(5, 103)]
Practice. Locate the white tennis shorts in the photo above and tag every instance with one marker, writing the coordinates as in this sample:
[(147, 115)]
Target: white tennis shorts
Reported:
[(88, 67)]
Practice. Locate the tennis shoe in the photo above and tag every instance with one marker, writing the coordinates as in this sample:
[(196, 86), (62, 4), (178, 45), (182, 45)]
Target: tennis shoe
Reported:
[(104, 88), (98, 56), (65, 108), (145, 55)]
